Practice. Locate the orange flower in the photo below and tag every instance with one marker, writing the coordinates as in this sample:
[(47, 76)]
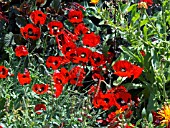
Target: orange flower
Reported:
[(143, 5), (164, 114), (94, 1)]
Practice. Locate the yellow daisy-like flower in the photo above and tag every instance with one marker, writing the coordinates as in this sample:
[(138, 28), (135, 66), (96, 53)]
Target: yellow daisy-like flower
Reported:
[(94, 1), (164, 114)]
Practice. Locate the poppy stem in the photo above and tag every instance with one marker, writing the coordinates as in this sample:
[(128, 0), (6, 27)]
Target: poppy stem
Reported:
[(107, 85), (25, 104)]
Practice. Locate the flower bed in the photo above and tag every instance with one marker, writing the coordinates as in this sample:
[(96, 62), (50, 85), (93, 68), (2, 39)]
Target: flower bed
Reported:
[(84, 64)]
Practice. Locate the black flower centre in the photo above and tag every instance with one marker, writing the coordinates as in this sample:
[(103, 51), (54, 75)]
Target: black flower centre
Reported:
[(30, 32), (41, 89), (40, 15), (97, 59), (123, 70), (2, 72), (68, 49), (55, 62), (24, 76), (83, 55)]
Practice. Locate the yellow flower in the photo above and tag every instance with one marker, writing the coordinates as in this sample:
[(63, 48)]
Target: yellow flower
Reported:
[(164, 114), (142, 5), (94, 1)]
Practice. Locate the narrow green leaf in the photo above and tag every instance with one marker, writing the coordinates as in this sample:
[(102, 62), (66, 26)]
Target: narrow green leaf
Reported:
[(132, 7), (119, 81), (136, 17)]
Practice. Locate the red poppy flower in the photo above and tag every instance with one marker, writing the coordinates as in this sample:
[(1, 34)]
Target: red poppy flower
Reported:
[(83, 54), (118, 97), (137, 71), (59, 78), (72, 55), (53, 62), (97, 59), (67, 47), (30, 32), (100, 99), (91, 39), (24, 78), (64, 60), (81, 29), (3, 72), (75, 16), (77, 55), (40, 88), (39, 108), (65, 73), (21, 51), (77, 74), (123, 68), (149, 2), (58, 90), (55, 28), (121, 95), (106, 101), (38, 17), (97, 77)]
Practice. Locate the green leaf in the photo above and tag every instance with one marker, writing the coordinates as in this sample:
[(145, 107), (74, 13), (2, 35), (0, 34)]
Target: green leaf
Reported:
[(151, 102), (136, 17), (130, 86), (119, 81), (2, 103), (9, 39), (132, 7), (105, 49), (20, 21), (125, 7), (145, 31), (143, 22), (102, 22), (91, 25), (55, 4), (130, 54)]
